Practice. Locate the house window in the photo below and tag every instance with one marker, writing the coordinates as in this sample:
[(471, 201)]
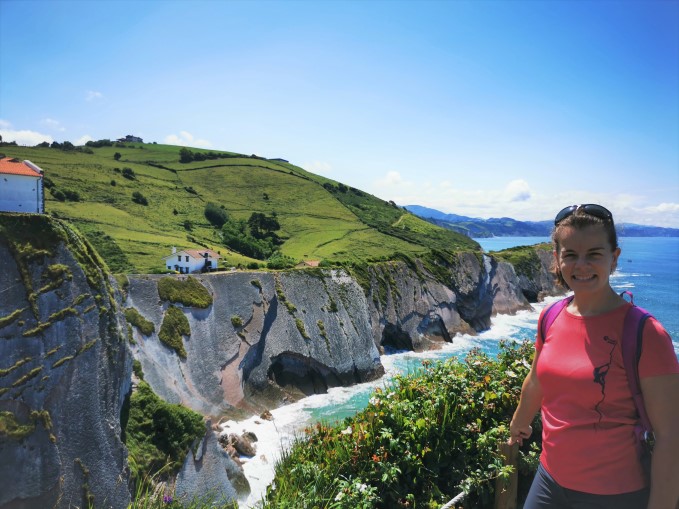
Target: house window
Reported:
[(179, 258), (187, 258)]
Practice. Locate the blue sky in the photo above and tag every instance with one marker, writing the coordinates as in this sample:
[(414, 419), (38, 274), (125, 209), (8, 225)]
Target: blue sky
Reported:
[(486, 108)]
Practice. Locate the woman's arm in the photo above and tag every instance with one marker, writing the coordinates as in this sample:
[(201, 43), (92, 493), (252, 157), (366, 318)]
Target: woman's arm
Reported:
[(661, 398), (529, 405)]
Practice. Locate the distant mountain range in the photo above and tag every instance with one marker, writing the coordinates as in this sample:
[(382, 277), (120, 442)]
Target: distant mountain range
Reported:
[(508, 227)]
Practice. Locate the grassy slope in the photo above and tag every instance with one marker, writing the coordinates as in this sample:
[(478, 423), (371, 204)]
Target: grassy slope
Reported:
[(317, 223)]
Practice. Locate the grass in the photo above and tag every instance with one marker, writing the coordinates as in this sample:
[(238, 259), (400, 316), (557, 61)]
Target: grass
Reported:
[(133, 317), (524, 258), (317, 222), (188, 292), (174, 326)]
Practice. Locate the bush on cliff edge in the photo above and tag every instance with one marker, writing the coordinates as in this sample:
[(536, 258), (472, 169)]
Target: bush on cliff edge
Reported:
[(418, 443), (158, 435)]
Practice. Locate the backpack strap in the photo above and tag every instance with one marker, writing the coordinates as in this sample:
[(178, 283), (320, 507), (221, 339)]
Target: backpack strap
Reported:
[(632, 342), (550, 315)]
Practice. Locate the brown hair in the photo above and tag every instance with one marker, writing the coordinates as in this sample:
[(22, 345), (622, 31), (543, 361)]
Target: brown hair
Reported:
[(581, 220)]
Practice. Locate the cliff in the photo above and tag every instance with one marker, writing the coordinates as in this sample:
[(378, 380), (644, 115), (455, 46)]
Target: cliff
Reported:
[(64, 370), (268, 338), (235, 343)]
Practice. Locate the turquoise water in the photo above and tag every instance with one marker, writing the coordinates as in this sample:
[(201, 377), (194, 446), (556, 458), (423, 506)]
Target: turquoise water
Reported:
[(648, 267)]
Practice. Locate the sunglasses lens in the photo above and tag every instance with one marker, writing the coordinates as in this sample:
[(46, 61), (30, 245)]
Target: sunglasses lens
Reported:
[(590, 208), (597, 211), (564, 213)]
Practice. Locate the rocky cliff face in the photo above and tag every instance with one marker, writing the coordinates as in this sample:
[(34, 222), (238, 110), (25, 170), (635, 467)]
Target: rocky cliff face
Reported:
[(64, 371), (266, 337), (260, 339), (271, 337)]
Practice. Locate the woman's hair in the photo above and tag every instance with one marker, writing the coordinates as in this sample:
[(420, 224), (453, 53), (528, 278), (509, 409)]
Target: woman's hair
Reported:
[(579, 220)]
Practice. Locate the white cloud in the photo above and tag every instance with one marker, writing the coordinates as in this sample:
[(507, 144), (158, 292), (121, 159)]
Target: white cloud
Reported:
[(50, 123), (319, 168), (517, 190), (82, 140), (92, 95), (22, 137), (392, 179), (186, 139), (516, 199)]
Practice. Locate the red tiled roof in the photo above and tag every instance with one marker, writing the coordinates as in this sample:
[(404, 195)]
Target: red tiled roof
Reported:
[(10, 166), (198, 253)]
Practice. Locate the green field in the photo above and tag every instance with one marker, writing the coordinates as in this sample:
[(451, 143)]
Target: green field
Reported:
[(320, 219)]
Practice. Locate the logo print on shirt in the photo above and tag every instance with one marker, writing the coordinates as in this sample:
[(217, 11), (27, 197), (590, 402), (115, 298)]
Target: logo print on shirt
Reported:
[(600, 373)]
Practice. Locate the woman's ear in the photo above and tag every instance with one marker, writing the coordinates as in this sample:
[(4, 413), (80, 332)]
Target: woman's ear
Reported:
[(616, 254)]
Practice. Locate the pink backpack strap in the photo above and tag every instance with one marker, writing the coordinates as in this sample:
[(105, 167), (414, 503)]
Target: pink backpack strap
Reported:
[(550, 315), (632, 344)]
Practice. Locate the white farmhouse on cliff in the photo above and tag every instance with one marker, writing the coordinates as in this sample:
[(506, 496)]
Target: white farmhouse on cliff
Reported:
[(192, 260), (21, 186)]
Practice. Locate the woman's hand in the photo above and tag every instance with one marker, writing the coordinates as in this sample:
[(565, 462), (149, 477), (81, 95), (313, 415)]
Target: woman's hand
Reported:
[(518, 433)]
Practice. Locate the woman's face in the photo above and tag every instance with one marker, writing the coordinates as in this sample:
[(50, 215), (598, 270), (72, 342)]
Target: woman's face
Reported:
[(585, 258)]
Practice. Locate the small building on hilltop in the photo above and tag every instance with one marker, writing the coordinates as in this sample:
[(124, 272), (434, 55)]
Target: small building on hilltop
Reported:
[(130, 139), (21, 186), (192, 260)]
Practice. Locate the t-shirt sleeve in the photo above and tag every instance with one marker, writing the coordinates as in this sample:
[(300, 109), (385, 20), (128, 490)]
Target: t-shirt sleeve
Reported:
[(657, 352)]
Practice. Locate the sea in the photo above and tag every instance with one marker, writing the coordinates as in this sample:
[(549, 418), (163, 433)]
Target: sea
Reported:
[(648, 267)]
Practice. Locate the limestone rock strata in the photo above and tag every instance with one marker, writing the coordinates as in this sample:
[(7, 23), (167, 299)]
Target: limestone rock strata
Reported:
[(269, 337), (64, 371)]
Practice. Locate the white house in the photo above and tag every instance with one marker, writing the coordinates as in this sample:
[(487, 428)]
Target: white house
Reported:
[(21, 186), (192, 260)]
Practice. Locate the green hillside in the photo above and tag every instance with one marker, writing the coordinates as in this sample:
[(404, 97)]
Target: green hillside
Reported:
[(319, 218)]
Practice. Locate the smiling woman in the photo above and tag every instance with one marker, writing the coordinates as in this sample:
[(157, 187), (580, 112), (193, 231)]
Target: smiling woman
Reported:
[(579, 381)]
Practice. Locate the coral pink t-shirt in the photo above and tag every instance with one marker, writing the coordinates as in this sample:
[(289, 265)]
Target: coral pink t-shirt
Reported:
[(588, 414)]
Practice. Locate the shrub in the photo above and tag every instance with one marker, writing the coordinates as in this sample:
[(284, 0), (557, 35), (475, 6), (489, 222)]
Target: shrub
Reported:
[(57, 194), (113, 182), (418, 443), (236, 321), (185, 155), (174, 326), (280, 261), (128, 173), (158, 434), (139, 198), (137, 369), (187, 291), (145, 326), (216, 214), (71, 195)]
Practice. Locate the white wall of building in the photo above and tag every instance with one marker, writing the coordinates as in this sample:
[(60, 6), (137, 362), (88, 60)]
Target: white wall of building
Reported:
[(184, 263), (21, 193)]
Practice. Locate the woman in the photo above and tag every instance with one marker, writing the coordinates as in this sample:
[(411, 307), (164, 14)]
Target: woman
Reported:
[(589, 451)]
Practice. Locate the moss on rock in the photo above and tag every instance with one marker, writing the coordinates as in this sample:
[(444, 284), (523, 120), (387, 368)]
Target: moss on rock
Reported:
[(174, 326), (188, 292)]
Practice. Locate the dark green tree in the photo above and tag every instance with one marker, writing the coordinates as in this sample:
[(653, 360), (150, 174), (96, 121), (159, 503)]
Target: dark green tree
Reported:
[(216, 214)]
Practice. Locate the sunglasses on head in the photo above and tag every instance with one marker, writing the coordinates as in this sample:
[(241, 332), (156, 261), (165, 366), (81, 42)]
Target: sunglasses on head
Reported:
[(590, 208)]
